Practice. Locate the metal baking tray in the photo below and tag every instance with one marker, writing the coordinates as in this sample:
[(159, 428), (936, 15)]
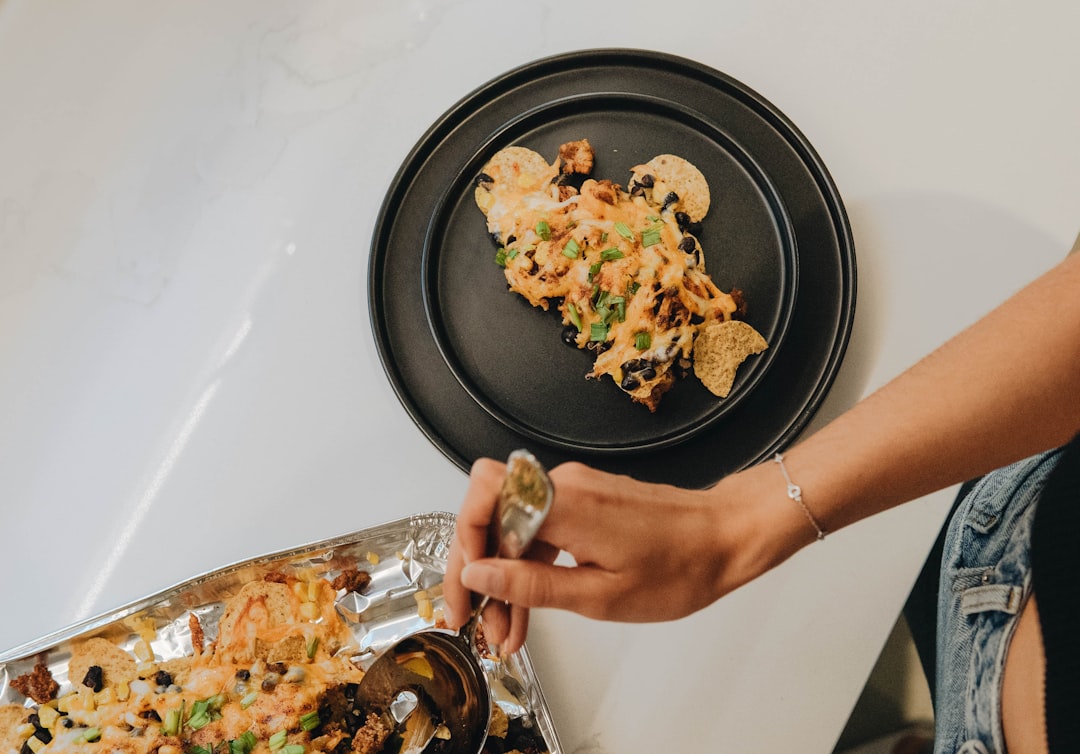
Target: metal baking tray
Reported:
[(403, 557)]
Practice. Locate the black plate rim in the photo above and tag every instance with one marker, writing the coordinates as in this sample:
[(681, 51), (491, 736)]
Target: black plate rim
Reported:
[(823, 181), (747, 380)]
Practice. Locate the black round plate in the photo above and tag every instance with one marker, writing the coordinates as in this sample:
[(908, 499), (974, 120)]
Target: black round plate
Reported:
[(481, 372), (511, 360)]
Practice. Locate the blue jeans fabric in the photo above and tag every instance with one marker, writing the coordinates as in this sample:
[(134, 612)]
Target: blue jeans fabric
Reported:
[(985, 583)]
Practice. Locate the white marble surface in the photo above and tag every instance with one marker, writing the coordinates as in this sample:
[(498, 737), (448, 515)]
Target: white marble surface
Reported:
[(187, 371)]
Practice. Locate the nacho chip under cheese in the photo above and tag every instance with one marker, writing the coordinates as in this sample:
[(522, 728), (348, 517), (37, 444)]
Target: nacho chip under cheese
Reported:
[(624, 266)]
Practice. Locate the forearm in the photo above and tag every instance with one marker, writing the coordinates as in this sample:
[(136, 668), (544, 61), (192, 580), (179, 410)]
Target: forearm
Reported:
[(1003, 389)]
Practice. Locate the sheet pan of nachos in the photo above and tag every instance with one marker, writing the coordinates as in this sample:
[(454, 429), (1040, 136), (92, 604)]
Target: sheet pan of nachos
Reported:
[(259, 656)]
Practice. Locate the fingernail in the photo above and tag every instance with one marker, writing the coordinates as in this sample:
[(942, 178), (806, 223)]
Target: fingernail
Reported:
[(482, 578)]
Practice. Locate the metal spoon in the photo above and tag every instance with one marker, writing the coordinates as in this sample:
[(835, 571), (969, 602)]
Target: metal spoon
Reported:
[(445, 664)]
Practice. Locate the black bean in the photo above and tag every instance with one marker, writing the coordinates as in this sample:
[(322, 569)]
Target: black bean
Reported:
[(43, 735), (646, 181), (94, 678), (484, 178), (569, 335), (688, 244), (162, 678), (243, 674), (647, 373), (682, 220), (637, 190), (670, 199), (630, 382), (496, 239), (277, 667)]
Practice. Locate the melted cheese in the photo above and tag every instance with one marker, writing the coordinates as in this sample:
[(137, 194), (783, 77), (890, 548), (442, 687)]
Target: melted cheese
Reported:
[(613, 264)]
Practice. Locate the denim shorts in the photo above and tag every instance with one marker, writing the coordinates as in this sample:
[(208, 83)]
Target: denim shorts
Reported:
[(985, 583)]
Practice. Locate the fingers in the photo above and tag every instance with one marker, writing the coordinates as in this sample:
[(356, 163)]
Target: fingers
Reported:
[(528, 583), (470, 535)]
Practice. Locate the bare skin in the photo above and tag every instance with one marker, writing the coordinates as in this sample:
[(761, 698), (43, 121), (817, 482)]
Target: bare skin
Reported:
[(994, 394), (1023, 688)]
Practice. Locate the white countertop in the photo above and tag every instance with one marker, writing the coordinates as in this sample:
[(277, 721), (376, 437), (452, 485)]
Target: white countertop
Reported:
[(188, 375)]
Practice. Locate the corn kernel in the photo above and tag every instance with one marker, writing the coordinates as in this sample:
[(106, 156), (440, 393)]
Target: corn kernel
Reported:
[(35, 744), (309, 611), (63, 704), (424, 609), (373, 558), (86, 697), (25, 730), (143, 651), (105, 696), (313, 591), (123, 691), (47, 716)]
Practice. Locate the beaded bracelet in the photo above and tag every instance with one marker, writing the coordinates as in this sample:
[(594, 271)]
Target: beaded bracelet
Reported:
[(794, 491)]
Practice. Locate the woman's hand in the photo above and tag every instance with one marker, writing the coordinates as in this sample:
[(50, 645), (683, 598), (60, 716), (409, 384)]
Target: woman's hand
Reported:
[(642, 552)]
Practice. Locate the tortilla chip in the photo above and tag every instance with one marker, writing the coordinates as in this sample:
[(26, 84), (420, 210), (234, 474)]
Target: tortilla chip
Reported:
[(671, 173), (257, 607), (117, 665), (518, 167), (11, 717), (720, 349)]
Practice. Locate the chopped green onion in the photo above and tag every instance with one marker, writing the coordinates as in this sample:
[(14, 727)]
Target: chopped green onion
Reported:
[(650, 236), (624, 230), (509, 255), (196, 749), (293, 749), (633, 288), (608, 255), (598, 332), (575, 317), (310, 721), (620, 307), (642, 341), (652, 218), (500, 257), (603, 237), (543, 230), (278, 740), (244, 744), (593, 269), (313, 646), (171, 725), (601, 297), (249, 700), (571, 249), (196, 722)]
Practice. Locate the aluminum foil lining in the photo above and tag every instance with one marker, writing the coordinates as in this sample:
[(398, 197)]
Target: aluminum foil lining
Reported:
[(404, 557)]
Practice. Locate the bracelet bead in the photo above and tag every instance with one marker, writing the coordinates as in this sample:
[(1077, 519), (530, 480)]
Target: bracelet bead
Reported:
[(794, 491)]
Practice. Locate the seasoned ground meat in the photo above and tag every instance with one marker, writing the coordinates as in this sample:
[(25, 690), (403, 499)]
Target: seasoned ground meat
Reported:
[(38, 684), (197, 636), (351, 580), (577, 157)]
